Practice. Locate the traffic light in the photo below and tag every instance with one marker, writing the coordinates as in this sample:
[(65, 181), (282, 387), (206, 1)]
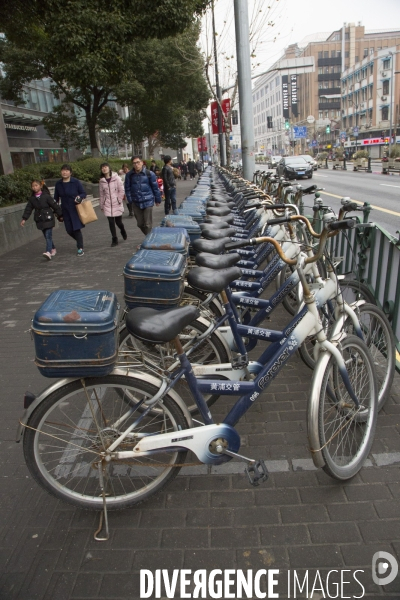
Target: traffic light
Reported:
[(328, 129), (287, 124)]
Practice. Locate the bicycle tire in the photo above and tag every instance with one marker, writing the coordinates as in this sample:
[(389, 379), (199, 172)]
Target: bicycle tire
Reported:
[(353, 290), (71, 475), (345, 439), (379, 337), (211, 351)]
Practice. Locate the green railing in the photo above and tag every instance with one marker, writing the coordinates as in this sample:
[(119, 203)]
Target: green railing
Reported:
[(372, 256)]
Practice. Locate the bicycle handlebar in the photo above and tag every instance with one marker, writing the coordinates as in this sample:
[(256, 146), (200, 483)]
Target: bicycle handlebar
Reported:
[(329, 231)]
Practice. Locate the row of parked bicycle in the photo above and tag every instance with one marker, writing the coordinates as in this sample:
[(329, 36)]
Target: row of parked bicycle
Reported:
[(136, 393)]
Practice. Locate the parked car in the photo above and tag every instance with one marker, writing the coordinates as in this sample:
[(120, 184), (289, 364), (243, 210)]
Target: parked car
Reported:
[(294, 167), (311, 160), (273, 161)]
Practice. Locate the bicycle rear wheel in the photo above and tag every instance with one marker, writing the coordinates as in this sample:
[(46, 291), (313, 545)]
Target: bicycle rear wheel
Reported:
[(210, 352), (345, 432), (65, 435)]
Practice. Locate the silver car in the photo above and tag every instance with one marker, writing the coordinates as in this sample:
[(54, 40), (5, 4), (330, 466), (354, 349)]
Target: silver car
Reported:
[(310, 160)]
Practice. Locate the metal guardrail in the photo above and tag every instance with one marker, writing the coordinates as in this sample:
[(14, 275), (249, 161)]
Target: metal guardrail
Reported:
[(372, 255)]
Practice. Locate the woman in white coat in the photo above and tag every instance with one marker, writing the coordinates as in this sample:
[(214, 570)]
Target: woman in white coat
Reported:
[(111, 192)]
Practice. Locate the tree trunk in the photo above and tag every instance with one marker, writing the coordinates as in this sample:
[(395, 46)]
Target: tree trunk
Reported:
[(94, 148)]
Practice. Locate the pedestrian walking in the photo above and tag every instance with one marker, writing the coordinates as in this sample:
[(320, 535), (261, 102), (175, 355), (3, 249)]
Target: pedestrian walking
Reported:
[(199, 167), (168, 178), (123, 171), (183, 169), (111, 196), (191, 168), (160, 182), (153, 166), (70, 191), (44, 206), (141, 190)]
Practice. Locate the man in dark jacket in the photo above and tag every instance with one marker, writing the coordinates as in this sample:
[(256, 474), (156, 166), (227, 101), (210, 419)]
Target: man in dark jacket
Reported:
[(192, 168), (168, 178), (141, 190)]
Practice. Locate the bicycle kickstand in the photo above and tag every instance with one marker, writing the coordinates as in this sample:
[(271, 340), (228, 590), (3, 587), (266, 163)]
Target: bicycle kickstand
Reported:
[(103, 514)]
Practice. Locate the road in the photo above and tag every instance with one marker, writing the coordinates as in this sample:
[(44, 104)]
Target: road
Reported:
[(381, 191)]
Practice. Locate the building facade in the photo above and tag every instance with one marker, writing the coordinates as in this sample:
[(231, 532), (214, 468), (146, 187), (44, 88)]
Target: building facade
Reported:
[(269, 125), (24, 138), (320, 93), (370, 100)]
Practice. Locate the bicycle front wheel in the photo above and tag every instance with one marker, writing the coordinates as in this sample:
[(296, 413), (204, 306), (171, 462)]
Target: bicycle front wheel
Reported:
[(345, 431), (72, 426), (378, 335)]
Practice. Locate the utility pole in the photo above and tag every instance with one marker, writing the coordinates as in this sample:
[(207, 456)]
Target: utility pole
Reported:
[(218, 92), (242, 31)]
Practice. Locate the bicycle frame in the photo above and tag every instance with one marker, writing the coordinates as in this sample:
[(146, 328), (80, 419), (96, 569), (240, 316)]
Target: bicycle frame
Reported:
[(276, 356)]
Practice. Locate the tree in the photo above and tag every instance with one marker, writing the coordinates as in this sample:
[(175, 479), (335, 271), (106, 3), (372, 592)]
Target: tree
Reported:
[(88, 48), (158, 113), (64, 125), (263, 17)]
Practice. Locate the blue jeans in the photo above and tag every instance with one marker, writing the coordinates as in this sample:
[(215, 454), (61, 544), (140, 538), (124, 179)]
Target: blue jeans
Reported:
[(48, 236), (170, 200)]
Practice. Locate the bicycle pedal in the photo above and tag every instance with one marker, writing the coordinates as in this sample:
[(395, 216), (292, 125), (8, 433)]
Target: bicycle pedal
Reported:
[(257, 472)]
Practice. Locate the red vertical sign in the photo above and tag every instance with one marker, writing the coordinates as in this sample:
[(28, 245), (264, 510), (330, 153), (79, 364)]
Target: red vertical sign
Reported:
[(202, 144), (214, 117), (226, 106)]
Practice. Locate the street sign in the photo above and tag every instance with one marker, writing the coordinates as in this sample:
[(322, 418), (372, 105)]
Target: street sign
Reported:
[(343, 136), (355, 131), (310, 119), (299, 132), (314, 143)]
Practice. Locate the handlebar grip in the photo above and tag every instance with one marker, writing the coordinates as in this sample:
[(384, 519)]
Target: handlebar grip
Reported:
[(278, 221), (309, 190), (345, 224), (274, 206), (350, 206), (239, 244)]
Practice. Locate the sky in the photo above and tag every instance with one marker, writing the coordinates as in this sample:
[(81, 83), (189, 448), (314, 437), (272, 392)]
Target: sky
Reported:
[(295, 19)]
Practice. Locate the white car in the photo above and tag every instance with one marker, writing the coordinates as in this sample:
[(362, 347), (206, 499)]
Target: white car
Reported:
[(273, 161), (311, 161)]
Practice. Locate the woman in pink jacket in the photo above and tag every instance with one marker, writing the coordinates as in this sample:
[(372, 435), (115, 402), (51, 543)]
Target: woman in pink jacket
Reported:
[(111, 192)]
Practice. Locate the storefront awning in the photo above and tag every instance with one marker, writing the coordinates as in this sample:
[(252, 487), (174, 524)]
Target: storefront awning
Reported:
[(18, 117)]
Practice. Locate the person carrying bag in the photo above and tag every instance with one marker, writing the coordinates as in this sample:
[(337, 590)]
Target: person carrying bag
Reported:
[(111, 193)]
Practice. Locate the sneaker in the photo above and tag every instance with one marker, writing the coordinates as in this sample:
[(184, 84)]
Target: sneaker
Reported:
[(53, 252), (47, 255), (80, 252), (124, 234)]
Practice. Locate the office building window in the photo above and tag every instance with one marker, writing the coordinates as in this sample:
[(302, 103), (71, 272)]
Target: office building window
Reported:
[(371, 68), (320, 54), (235, 118), (371, 50), (386, 63), (365, 52), (326, 54), (370, 91), (385, 113)]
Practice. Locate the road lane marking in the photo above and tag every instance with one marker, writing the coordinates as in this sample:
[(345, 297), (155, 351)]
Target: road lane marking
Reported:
[(320, 175), (388, 185), (385, 210)]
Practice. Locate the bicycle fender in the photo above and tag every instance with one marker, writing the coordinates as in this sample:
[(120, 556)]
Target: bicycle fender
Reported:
[(313, 407), (146, 377), (218, 334)]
